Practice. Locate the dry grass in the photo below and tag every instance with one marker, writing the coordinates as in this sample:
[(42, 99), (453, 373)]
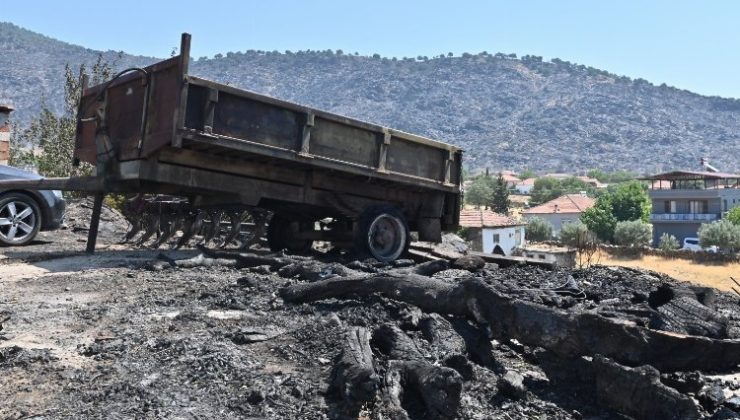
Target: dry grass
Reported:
[(706, 274)]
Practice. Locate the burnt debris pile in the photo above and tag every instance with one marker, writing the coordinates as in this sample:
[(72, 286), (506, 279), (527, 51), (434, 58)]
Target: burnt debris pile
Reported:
[(464, 337), (273, 335)]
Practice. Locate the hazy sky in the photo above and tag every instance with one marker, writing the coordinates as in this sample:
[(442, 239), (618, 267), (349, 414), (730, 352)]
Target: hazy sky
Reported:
[(692, 45)]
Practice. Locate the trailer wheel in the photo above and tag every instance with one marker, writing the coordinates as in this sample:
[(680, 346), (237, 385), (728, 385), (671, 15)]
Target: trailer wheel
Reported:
[(383, 233), (282, 233)]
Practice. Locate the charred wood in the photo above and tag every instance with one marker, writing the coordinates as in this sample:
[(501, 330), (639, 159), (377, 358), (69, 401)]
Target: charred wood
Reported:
[(567, 333), (638, 392), (354, 378), (411, 378)]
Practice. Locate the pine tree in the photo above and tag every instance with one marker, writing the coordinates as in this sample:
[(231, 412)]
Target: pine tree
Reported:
[(500, 202)]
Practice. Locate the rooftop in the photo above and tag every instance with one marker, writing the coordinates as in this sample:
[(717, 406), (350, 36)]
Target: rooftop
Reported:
[(691, 175), (480, 218), (692, 180), (569, 203)]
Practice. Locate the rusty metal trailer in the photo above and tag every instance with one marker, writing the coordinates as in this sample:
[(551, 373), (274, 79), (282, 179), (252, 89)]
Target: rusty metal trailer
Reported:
[(160, 130)]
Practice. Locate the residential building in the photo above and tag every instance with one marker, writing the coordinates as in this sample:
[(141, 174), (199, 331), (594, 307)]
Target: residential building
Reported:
[(560, 256), (592, 182), (491, 232), (511, 180), (683, 200), (561, 211), (5, 111), (525, 186)]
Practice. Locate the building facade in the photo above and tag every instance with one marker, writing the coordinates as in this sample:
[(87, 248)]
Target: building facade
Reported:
[(683, 200), (491, 232)]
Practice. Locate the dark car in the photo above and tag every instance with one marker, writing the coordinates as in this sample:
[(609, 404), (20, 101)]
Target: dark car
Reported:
[(23, 213)]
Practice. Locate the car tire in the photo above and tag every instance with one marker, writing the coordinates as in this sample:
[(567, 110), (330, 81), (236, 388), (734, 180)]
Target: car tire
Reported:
[(20, 219)]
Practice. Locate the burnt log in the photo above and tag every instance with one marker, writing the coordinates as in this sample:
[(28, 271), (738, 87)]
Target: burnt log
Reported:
[(354, 379), (212, 258), (566, 333), (439, 388), (638, 392), (410, 377)]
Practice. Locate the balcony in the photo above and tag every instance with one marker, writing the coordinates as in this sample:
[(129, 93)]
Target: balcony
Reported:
[(684, 217)]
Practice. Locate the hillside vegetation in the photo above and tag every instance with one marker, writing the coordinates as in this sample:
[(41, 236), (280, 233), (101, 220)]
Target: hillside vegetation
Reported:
[(506, 112)]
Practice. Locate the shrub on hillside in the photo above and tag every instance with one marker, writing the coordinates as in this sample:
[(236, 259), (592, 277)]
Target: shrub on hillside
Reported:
[(538, 229), (633, 233), (668, 242)]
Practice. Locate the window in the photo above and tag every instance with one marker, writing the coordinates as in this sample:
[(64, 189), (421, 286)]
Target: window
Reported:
[(670, 206), (698, 206), (496, 238)]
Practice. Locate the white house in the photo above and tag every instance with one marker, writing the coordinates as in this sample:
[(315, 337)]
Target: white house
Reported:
[(491, 232), (525, 186)]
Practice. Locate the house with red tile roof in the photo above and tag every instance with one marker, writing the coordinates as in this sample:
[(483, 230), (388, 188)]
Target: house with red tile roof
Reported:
[(492, 233), (561, 211)]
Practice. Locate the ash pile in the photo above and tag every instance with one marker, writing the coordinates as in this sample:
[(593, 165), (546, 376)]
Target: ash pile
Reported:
[(465, 339), (255, 334)]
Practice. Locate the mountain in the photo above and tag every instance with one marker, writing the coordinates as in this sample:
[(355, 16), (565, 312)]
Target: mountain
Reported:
[(506, 112)]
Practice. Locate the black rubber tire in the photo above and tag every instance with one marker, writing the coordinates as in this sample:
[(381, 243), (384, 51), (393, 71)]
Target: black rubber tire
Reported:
[(21, 200), (281, 236), (394, 221)]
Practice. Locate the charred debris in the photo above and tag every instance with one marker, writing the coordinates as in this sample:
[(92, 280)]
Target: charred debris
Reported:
[(463, 338)]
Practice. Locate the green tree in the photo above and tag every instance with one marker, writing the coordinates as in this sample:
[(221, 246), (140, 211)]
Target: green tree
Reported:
[(538, 229), (480, 192), (52, 134), (545, 189), (722, 233), (600, 220), (500, 202), (668, 242), (630, 201), (526, 174), (633, 233), (733, 216), (571, 233)]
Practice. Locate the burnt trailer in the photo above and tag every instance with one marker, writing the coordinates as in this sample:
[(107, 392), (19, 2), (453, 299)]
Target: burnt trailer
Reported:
[(159, 130)]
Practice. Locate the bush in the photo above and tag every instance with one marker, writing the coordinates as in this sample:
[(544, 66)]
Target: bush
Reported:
[(734, 216), (668, 242), (538, 229), (572, 233), (633, 233), (722, 233)]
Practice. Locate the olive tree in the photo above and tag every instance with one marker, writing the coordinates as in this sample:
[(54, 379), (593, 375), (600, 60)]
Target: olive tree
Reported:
[(538, 229), (722, 233), (668, 242), (633, 233)]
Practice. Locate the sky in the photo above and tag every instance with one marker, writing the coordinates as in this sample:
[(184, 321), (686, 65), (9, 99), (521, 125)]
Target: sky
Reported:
[(692, 45)]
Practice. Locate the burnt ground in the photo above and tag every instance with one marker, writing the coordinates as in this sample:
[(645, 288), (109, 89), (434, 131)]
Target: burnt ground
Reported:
[(106, 337)]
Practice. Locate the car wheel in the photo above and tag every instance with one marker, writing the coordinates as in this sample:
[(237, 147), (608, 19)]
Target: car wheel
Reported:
[(20, 219)]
